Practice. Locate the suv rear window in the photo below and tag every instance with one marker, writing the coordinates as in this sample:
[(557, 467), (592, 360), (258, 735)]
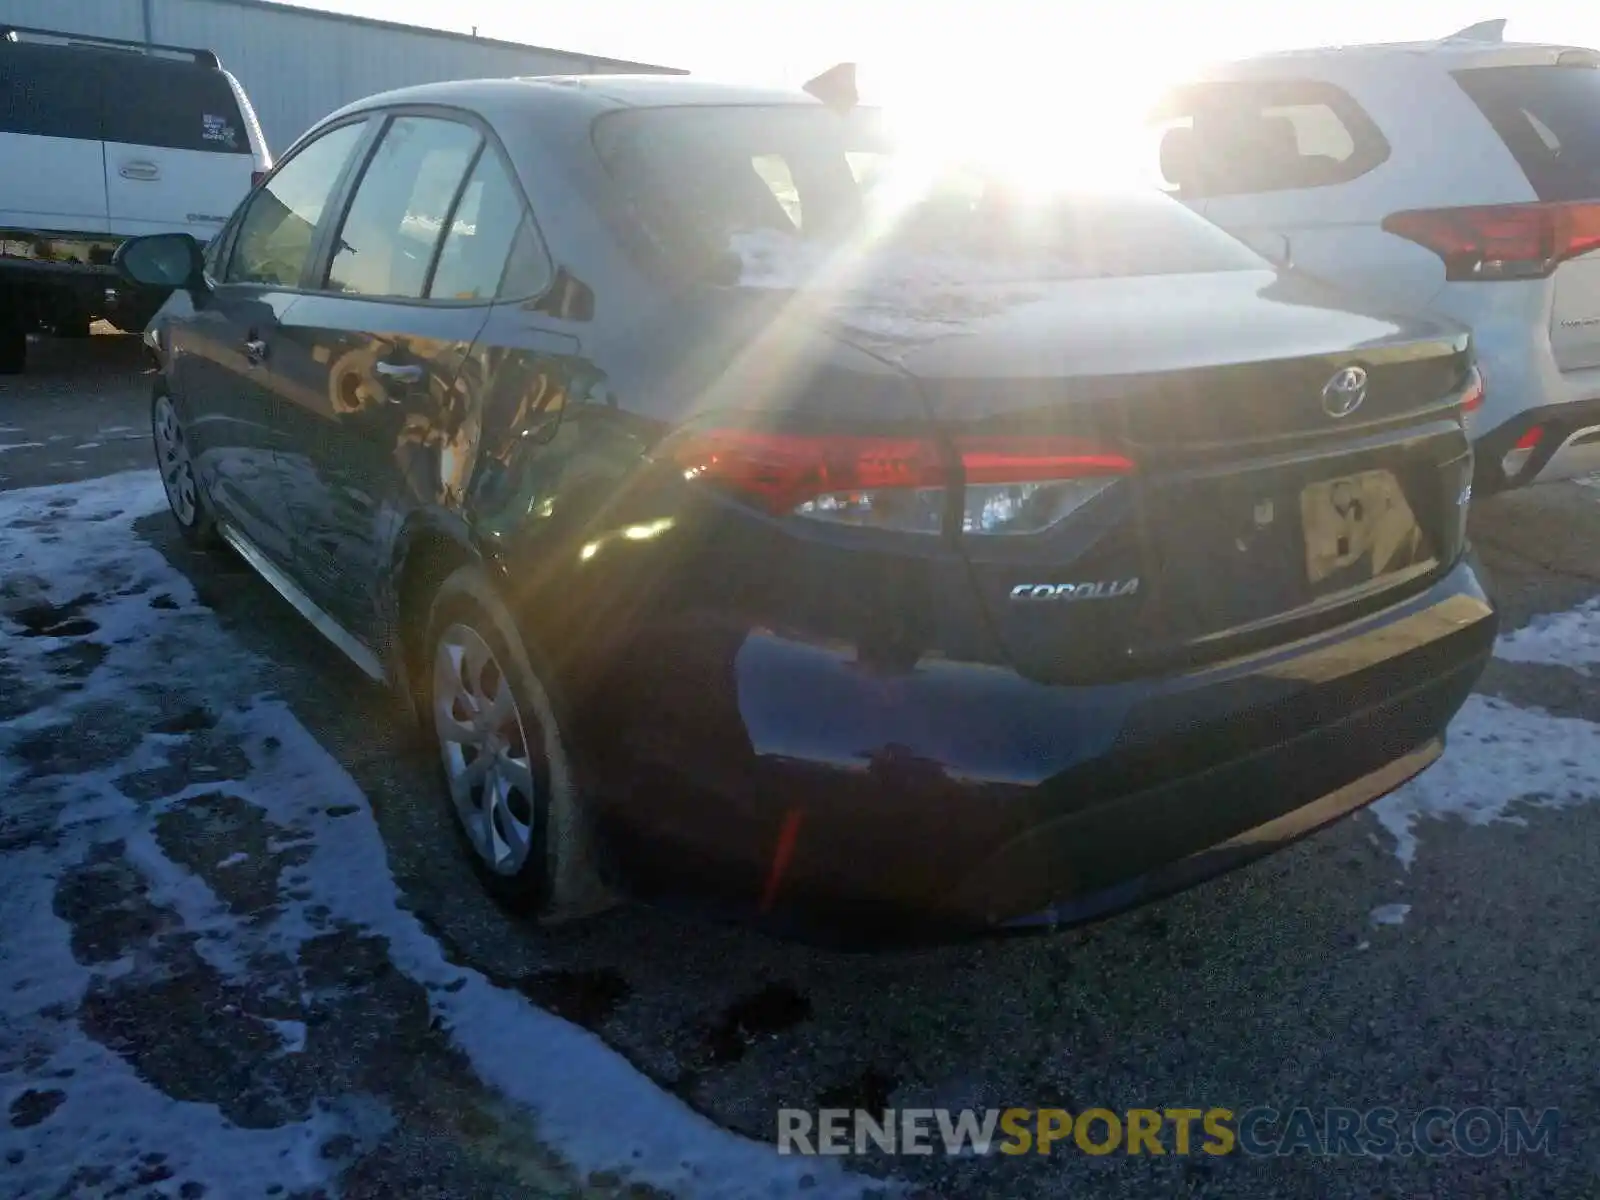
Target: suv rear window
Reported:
[(1549, 118), (114, 96), (703, 180)]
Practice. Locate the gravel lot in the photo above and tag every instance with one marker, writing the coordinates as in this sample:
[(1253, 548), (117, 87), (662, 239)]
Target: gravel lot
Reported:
[(1335, 974)]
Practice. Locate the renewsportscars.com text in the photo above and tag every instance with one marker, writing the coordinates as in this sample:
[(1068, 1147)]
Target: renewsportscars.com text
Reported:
[(1257, 1132)]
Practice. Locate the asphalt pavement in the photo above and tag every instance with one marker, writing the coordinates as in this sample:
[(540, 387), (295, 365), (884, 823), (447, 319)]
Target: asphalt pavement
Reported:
[(1437, 952)]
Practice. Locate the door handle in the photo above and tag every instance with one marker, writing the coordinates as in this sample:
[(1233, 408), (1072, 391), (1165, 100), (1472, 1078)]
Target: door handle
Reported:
[(255, 350), (399, 372), (139, 169)]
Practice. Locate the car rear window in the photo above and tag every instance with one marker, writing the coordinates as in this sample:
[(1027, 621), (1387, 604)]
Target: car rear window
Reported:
[(1549, 118), (95, 95), (702, 180)]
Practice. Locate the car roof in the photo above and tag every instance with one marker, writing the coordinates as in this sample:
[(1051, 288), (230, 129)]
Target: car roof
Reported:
[(578, 94), (1450, 53)]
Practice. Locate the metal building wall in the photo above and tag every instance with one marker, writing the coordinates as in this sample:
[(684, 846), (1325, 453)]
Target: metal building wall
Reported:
[(108, 18), (299, 65)]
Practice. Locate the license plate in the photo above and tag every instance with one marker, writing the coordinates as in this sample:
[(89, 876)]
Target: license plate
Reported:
[(1359, 524)]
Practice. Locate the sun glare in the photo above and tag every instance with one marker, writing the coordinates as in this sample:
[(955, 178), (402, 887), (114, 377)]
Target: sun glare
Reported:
[(1078, 126)]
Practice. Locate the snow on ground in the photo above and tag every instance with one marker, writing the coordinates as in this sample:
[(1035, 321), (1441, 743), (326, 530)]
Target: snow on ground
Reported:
[(1569, 639), (1500, 759), (109, 620), (1390, 914), (1503, 758), (110, 600)]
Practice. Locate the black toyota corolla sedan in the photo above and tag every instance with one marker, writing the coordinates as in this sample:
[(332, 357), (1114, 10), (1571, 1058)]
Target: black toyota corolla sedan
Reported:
[(753, 513)]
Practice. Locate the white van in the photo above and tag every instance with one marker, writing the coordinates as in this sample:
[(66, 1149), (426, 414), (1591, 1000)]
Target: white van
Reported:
[(102, 140)]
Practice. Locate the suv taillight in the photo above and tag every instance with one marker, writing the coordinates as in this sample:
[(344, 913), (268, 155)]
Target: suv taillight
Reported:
[(1009, 484), (1501, 241), (256, 177)]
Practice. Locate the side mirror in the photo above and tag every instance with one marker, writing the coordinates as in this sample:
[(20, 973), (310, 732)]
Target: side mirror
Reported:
[(162, 260)]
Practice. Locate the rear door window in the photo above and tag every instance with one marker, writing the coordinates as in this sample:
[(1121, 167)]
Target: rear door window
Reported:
[(171, 104), (1225, 139), (396, 219), (1549, 118), (49, 91), (483, 227)]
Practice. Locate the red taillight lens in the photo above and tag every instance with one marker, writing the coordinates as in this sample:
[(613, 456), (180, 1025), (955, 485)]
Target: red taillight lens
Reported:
[(778, 472), (1501, 241), (1472, 391), (1025, 459), (1516, 458), (1012, 484), (256, 177)]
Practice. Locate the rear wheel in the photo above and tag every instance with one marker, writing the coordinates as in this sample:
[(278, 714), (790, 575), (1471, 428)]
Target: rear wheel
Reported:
[(504, 759), (188, 506)]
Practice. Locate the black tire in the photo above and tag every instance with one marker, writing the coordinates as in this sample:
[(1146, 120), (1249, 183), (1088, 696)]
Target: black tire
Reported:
[(195, 519), (557, 879), (13, 346)]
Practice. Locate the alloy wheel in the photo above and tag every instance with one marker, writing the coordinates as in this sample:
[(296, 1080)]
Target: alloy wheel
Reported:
[(498, 777), (172, 457)]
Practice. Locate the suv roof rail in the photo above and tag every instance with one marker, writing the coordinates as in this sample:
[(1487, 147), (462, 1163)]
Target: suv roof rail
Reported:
[(1483, 31), (205, 58)]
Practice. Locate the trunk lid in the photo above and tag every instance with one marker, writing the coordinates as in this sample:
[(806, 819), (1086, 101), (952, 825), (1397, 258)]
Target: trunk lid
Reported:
[(1251, 512)]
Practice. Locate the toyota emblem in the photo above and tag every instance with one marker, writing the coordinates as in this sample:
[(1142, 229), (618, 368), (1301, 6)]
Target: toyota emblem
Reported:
[(1343, 394)]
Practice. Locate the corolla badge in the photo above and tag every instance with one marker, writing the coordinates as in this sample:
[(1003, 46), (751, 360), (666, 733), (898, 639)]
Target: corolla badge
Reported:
[(1101, 589), (1343, 394)]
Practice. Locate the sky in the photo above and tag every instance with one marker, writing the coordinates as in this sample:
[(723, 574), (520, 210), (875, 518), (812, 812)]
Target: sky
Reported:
[(1114, 45)]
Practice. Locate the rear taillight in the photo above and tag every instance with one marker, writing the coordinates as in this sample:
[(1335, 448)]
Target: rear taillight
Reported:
[(256, 177), (1009, 484), (1517, 457), (1501, 241), (1472, 391)]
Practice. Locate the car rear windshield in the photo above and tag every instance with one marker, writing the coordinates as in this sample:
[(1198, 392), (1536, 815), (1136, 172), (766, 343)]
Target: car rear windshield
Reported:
[(705, 180), (1549, 118), (138, 99)]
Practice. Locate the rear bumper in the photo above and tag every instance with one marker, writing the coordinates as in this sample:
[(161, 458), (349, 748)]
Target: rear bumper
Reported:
[(1568, 447), (960, 799), (1324, 754), (1331, 750), (1194, 813)]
